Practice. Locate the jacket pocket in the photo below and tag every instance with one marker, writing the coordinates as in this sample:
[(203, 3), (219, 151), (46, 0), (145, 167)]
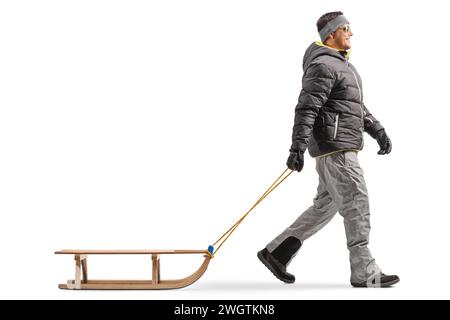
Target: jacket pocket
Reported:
[(336, 124)]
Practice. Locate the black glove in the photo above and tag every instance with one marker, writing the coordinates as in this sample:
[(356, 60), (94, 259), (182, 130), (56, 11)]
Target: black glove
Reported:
[(384, 142), (295, 161)]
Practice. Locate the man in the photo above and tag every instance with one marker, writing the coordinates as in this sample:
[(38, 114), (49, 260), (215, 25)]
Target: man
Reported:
[(330, 120)]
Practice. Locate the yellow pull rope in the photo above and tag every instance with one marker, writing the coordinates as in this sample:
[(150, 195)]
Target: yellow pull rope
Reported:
[(275, 184)]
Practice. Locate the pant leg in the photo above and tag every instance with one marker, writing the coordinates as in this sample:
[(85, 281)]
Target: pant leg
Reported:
[(347, 187), (308, 223)]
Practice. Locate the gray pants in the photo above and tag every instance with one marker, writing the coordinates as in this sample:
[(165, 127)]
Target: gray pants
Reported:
[(341, 188)]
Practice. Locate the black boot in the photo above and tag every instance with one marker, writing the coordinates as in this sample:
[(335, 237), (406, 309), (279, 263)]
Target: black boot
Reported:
[(286, 250), (385, 281), (277, 260), (275, 267)]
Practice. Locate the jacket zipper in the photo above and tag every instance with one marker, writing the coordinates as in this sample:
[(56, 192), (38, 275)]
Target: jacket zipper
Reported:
[(360, 99), (336, 123)]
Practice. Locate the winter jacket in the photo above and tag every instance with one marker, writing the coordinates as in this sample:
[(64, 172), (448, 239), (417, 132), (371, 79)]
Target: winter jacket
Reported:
[(330, 115)]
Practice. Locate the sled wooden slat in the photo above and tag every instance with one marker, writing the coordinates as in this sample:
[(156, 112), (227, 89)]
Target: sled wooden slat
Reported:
[(81, 252), (81, 281)]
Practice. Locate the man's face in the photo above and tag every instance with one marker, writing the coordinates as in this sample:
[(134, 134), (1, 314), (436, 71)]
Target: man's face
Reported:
[(342, 38)]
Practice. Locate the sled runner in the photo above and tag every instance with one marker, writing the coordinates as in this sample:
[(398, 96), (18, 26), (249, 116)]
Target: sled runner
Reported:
[(82, 281)]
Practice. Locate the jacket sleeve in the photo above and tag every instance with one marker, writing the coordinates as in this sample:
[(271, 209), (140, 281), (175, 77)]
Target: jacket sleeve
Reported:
[(317, 83), (371, 124)]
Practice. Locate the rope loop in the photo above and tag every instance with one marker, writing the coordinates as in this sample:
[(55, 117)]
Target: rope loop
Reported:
[(272, 187)]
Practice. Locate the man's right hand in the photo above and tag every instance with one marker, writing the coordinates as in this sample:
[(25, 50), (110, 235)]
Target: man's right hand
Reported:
[(384, 142), (295, 161)]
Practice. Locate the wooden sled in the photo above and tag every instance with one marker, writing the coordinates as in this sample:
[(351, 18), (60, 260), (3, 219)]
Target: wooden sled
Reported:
[(83, 282), (81, 273)]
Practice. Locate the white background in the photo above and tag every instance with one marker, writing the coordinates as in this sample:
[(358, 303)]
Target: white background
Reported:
[(156, 124)]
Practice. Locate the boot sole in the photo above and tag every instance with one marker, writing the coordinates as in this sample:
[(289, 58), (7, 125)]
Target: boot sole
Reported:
[(268, 266), (382, 285)]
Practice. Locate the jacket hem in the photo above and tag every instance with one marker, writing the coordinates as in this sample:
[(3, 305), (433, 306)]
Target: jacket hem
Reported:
[(330, 153)]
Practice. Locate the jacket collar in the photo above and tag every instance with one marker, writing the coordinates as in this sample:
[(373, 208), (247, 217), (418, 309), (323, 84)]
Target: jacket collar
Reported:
[(344, 53)]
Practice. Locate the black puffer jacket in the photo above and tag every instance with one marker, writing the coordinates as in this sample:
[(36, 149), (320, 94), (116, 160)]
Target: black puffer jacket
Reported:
[(330, 114)]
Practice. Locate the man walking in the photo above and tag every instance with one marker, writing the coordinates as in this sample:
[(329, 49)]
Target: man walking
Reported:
[(330, 120)]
